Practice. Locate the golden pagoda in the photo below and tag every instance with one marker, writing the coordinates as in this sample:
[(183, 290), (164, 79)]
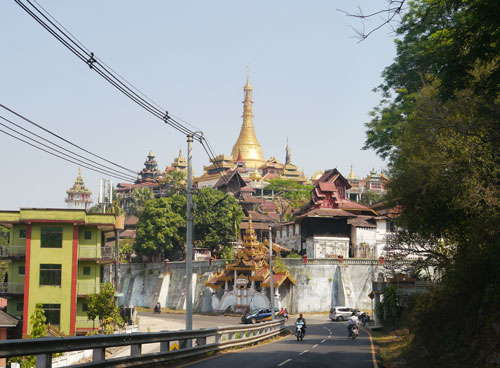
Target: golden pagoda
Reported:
[(247, 144)]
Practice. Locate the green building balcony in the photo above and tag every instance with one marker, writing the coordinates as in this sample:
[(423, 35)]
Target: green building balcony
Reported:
[(11, 288), (96, 253), (90, 287), (12, 251)]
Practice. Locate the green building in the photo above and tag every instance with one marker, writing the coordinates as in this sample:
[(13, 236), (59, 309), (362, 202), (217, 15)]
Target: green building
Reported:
[(56, 257)]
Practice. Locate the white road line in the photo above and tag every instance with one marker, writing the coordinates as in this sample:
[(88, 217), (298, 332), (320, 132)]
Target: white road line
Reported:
[(329, 336), (323, 340), (305, 351), (286, 361), (315, 346)]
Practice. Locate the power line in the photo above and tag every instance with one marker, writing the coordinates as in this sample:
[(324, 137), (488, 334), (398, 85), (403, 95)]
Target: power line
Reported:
[(61, 147), (61, 157), (48, 22)]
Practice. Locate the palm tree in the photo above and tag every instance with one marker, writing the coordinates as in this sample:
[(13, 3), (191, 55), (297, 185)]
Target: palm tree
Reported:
[(139, 198)]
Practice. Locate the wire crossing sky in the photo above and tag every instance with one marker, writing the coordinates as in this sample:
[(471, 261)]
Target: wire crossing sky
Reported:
[(312, 84)]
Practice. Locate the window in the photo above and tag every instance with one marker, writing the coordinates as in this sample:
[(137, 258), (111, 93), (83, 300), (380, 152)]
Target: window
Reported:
[(88, 235), (52, 313), (86, 270), (85, 307), (22, 270), (22, 234), (51, 237), (50, 274), (19, 307)]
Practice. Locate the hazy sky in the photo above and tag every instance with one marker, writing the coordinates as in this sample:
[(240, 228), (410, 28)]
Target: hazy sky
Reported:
[(312, 84)]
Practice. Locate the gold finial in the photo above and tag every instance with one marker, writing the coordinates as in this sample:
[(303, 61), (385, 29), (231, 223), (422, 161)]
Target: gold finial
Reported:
[(150, 152), (247, 143), (180, 151), (351, 174), (79, 171), (248, 86)]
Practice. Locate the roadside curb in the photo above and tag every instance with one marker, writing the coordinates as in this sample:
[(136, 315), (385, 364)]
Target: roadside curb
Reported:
[(375, 349)]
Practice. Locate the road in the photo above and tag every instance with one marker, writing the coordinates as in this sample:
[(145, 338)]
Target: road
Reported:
[(325, 345)]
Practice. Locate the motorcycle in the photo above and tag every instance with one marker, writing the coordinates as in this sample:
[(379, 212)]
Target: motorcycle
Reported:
[(354, 332), (299, 330), (157, 309)]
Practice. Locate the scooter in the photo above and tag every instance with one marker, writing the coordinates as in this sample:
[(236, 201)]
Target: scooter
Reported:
[(299, 330), (157, 310), (354, 332)]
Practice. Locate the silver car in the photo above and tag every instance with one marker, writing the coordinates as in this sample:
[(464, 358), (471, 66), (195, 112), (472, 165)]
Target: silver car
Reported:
[(341, 313)]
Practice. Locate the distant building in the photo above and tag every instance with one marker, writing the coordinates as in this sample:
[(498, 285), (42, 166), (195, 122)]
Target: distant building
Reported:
[(79, 196), (374, 182), (56, 258)]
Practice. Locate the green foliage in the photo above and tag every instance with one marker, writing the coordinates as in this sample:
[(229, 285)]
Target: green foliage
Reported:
[(140, 197), (103, 307), (370, 197), (39, 329), (279, 266), (227, 253), (289, 195), (216, 219), (387, 309), (438, 126), (175, 182), (126, 249), (4, 235), (38, 323), (293, 254), (162, 226)]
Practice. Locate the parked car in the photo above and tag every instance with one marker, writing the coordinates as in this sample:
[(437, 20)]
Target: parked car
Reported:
[(341, 313), (258, 315)]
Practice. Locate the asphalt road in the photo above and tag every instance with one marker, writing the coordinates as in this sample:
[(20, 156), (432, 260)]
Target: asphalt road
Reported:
[(325, 345)]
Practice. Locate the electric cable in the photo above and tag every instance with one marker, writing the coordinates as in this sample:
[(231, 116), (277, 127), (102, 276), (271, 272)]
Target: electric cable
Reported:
[(63, 158), (59, 146), (83, 53)]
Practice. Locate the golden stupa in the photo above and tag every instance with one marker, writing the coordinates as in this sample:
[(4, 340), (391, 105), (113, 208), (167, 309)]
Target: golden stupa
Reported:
[(247, 144)]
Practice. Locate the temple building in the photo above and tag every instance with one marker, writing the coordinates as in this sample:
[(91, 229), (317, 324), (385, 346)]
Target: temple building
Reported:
[(247, 156), (243, 284), (374, 183), (179, 164), (79, 196)]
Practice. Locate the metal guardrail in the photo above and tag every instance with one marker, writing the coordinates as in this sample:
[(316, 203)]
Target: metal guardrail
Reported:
[(87, 287), (12, 250), (95, 252), (12, 288), (203, 341)]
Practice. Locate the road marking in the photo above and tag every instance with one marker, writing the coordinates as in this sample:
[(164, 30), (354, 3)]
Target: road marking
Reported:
[(305, 351), (374, 357), (323, 340), (315, 346), (329, 336), (286, 361)]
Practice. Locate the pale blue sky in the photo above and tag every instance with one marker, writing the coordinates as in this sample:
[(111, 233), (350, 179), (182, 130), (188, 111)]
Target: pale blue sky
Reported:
[(312, 83)]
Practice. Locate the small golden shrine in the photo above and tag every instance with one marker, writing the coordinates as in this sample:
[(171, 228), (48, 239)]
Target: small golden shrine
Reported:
[(249, 273)]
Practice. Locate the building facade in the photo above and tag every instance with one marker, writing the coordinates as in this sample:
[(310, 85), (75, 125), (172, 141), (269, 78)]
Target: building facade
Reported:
[(56, 258)]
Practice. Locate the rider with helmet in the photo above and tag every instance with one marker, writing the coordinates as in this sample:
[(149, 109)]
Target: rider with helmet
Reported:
[(303, 320), (353, 321)]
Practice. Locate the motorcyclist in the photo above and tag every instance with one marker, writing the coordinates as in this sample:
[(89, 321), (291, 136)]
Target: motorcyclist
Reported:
[(353, 321), (157, 308), (303, 320)]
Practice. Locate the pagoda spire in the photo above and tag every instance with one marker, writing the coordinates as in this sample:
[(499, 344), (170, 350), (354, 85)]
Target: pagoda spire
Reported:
[(247, 143), (288, 157), (351, 174)]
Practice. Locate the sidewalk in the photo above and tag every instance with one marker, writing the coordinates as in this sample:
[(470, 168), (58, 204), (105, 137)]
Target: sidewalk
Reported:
[(154, 324)]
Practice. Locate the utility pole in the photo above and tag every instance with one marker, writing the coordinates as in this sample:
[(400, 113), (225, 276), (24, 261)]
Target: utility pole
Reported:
[(189, 237), (271, 275)]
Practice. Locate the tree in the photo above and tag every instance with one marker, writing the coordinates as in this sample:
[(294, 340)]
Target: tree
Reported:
[(175, 182), (38, 329), (216, 219), (289, 195), (103, 307), (140, 197), (370, 197), (162, 225), (438, 126)]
